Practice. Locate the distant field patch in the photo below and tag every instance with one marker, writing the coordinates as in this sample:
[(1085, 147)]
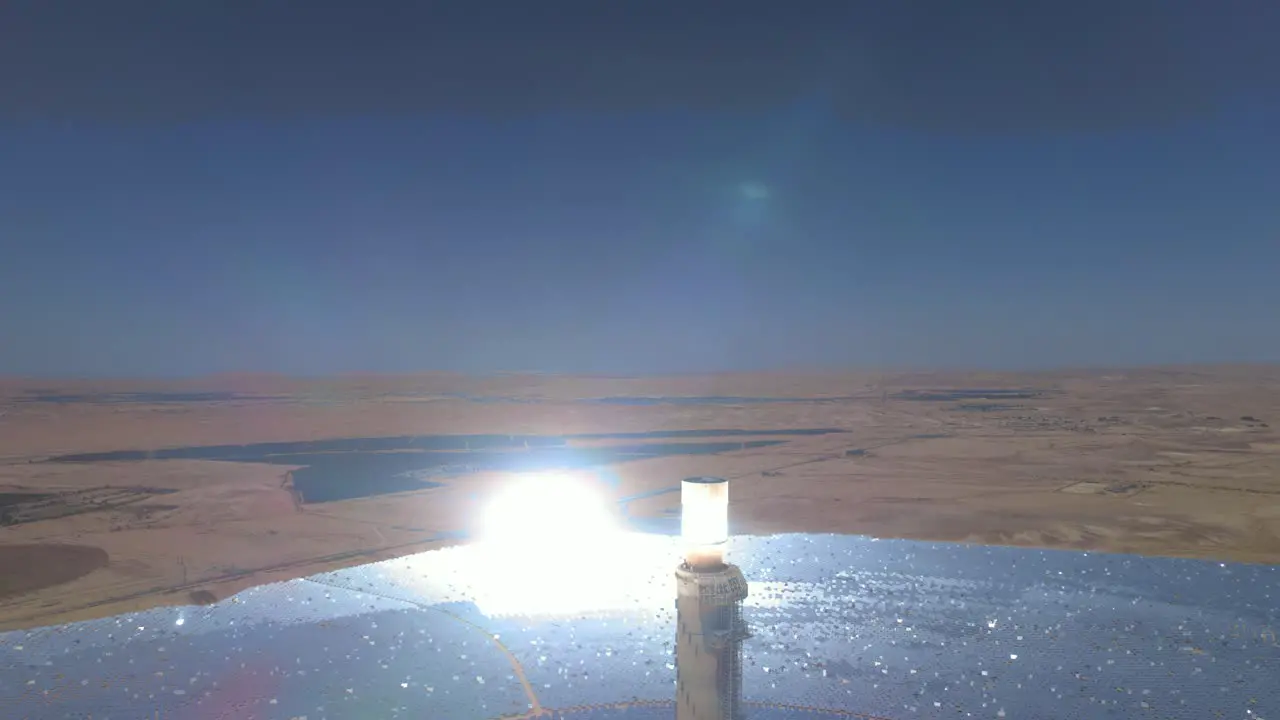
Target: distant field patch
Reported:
[(28, 568), (1093, 487), (963, 394)]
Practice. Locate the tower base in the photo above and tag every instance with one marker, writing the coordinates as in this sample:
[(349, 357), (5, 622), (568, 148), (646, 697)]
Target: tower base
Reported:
[(709, 635)]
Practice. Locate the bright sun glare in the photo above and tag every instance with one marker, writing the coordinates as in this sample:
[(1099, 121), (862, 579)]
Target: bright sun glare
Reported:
[(552, 544), (555, 512)]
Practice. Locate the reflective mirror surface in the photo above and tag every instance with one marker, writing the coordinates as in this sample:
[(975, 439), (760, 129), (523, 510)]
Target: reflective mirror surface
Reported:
[(840, 626)]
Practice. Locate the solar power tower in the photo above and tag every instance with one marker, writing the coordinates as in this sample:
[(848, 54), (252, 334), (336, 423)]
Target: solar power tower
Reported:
[(709, 595)]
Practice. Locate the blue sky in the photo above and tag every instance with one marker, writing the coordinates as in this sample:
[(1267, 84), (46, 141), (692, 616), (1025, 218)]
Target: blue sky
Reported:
[(869, 207)]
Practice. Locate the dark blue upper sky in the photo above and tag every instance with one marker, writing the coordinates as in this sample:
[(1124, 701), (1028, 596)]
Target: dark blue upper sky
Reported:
[(636, 187)]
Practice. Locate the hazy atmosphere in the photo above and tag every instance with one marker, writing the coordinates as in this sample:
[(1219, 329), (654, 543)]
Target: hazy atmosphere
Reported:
[(635, 187), (590, 359)]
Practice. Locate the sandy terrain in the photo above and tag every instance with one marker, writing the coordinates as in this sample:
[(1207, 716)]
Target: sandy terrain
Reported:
[(1169, 461)]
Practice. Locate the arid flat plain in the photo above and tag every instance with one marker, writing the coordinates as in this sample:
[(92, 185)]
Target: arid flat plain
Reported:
[(117, 495)]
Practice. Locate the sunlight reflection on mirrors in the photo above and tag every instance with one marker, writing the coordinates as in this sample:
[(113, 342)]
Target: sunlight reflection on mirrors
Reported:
[(552, 544)]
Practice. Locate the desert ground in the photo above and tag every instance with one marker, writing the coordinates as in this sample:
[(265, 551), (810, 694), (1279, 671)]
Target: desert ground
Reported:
[(119, 495)]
